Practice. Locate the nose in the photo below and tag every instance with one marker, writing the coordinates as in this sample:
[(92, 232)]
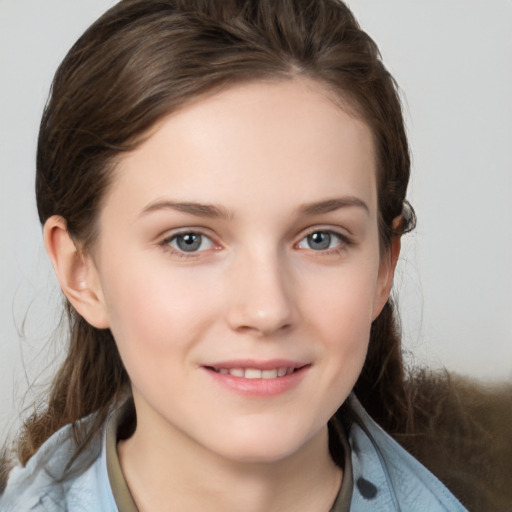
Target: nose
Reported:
[(262, 298)]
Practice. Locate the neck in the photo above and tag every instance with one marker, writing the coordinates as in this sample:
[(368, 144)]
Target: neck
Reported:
[(173, 473)]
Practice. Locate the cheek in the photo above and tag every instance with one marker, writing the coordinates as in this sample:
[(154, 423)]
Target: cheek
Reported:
[(154, 313), (340, 313), (340, 319), (342, 299)]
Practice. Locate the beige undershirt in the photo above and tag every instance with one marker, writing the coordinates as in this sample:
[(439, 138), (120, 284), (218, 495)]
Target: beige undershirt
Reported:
[(124, 500)]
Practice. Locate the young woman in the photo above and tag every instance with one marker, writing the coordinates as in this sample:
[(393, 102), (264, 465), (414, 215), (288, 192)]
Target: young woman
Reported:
[(222, 187)]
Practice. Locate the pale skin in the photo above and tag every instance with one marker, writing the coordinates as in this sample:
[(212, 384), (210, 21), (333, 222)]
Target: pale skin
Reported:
[(241, 235)]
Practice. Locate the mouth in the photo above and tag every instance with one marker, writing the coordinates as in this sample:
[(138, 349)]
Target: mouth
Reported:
[(256, 373), (258, 379)]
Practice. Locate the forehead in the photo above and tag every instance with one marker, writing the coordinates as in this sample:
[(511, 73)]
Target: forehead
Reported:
[(258, 143)]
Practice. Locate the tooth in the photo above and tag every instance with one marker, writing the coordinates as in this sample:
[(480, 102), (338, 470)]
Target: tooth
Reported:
[(281, 372), (252, 373), (289, 370), (269, 374), (237, 372), (224, 371)]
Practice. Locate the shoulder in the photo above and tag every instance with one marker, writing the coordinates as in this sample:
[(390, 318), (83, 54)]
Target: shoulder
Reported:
[(54, 481), (386, 477)]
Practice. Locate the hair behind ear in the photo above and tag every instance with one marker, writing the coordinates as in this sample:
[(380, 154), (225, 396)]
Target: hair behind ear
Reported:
[(382, 386), (91, 378)]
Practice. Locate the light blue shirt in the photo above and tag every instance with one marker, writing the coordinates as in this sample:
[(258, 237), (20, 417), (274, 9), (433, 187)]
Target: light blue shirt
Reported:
[(385, 477)]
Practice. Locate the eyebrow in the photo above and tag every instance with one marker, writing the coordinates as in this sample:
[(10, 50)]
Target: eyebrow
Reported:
[(219, 212), (330, 205), (193, 208)]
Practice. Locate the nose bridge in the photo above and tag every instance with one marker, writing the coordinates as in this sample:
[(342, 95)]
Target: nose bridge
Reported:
[(261, 295)]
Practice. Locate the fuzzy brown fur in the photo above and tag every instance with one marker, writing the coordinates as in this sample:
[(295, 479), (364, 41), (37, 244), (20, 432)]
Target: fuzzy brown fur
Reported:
[(464, 437)]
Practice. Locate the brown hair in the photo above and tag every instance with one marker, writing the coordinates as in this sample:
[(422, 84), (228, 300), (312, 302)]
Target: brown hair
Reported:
[(142, 60)]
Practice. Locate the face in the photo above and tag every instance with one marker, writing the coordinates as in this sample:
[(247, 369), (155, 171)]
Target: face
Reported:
[(238, 268)]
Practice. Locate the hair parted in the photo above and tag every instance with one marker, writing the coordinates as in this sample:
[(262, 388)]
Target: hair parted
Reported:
[(141, 61)]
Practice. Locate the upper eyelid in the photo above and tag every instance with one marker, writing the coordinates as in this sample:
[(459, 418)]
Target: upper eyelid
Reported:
[(171, 234), (342, 233)]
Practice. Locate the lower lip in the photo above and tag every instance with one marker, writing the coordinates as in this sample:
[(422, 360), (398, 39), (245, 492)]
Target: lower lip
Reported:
[(259, 387)]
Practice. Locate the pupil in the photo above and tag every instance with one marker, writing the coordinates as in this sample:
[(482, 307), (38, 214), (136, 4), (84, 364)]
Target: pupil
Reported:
[(189, 242), (319, 240)]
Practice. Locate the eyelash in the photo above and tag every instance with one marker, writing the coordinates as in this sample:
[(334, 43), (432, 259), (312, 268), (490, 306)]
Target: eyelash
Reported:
[(344, 243), (166, 244)]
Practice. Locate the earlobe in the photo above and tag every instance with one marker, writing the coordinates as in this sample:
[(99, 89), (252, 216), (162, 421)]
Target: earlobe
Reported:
[(76, 273), (386, 274)]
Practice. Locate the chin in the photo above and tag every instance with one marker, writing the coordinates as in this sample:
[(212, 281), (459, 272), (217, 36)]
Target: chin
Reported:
[(264, 445), (259, 453)]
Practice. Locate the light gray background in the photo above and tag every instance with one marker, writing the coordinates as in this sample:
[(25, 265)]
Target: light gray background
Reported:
[(452, 58)]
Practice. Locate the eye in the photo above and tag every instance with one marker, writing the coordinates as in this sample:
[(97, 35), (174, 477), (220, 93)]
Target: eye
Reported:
[(321, 241), (189, 242)]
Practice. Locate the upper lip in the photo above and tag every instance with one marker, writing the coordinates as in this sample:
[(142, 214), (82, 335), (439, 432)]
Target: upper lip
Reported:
[(268, 364)]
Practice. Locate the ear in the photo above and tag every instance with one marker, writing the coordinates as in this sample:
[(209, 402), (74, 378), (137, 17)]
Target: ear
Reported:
[(386, 272), (76, 273)]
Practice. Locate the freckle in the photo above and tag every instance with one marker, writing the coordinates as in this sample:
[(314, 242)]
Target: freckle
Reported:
[(367, 489)]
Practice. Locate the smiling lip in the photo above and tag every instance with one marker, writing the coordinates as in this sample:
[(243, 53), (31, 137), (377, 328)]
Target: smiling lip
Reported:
[(258, 378)]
